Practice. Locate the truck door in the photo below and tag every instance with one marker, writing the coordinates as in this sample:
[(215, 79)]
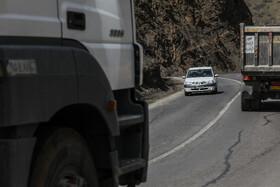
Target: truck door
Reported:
[(105, 28)]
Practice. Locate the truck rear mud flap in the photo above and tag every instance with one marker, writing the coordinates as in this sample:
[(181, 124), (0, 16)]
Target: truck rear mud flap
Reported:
[(250, 97)]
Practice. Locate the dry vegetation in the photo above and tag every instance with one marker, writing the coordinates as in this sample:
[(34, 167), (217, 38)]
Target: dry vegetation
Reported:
[(265, 12)]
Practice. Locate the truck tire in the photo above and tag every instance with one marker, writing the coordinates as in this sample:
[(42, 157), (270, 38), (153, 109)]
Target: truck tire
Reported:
[(245, 104), (255, 104), (64, 160)]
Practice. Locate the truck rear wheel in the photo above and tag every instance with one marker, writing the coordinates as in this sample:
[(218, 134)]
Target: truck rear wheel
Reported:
[(245, 104), (255, 104), (64, 160)]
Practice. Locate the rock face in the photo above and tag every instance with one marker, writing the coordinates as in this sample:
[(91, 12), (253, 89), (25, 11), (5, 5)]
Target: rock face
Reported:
[(265, 12), (178, 34)]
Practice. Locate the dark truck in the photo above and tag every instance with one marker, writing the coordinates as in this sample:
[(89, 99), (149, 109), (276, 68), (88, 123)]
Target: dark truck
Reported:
[(260, 65)]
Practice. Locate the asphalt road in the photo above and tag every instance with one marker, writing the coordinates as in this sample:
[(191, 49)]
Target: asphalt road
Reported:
[(206, 140)]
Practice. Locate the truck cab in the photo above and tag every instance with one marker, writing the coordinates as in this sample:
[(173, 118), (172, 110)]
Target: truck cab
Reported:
[(68, 114)]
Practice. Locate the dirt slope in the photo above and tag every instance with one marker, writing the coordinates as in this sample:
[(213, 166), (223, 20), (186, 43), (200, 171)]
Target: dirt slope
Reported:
[(265, 12)]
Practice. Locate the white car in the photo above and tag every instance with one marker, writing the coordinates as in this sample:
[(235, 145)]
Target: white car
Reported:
[(200, 80)]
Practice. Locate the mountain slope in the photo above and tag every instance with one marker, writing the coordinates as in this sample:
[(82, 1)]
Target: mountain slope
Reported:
[(265, 12), (179, 34)]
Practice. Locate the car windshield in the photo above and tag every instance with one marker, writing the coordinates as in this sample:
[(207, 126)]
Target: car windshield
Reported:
[(200, 73)]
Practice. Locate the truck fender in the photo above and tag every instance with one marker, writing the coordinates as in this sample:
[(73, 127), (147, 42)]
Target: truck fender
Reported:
[(94, 88)]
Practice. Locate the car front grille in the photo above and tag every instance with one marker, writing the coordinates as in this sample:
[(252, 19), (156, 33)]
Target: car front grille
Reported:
[(201, 88), (199, 83)]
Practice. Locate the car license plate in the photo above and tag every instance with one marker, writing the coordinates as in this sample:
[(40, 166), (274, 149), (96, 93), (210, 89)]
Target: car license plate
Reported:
[(275, 87)]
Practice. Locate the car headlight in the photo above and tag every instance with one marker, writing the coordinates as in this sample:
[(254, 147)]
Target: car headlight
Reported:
[(211, 82)]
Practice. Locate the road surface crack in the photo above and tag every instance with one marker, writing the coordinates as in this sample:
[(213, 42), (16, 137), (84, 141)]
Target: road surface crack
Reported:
[(268, 120), (227, 164), (157, 116)]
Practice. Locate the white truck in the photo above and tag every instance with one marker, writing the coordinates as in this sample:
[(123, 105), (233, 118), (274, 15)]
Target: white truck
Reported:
[(68, 114)]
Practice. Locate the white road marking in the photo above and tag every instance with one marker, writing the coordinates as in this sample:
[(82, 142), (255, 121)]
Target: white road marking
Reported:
[(202, 131), (230, 79)]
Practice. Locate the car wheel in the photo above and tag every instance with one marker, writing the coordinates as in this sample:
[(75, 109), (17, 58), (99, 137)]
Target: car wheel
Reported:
[(64, 160), (187, 94), (215, 91)]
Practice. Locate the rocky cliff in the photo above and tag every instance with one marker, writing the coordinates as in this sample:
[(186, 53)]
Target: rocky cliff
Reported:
[(178, 34), (264, 12)]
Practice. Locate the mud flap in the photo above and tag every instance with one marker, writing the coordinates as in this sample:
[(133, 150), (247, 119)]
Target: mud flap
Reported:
[(15, 161), (115, 168), (251, 91), (246, 91)]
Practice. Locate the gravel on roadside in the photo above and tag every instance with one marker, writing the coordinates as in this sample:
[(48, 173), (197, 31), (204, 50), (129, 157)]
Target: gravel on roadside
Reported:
[(151, 95)]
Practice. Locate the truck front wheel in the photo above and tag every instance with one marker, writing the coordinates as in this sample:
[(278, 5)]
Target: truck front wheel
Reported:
[(64, 160)]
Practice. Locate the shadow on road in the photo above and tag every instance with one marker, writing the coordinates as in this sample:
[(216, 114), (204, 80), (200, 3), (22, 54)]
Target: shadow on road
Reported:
[(270, 106), (199, 94)]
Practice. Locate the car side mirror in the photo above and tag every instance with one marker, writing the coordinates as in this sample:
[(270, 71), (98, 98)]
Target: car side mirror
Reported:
[(183, 77), (216, 75)]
